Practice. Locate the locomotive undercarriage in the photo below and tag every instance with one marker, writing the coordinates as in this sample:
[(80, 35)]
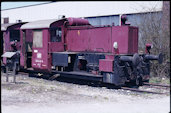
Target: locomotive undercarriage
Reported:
[(126, 72), (127, 69)]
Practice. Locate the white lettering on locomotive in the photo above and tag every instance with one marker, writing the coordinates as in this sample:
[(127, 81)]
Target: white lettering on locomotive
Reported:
[(41, 61), (39, 55), (35, 51)]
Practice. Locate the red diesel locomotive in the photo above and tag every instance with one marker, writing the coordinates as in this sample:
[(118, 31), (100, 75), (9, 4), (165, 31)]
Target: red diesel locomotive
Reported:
[(72, 47)]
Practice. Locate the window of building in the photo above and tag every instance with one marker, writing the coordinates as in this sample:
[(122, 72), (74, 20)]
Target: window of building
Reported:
[(55, 34), (37, 39)]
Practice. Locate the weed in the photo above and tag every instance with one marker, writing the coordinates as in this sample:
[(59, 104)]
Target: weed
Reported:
[(159, 80), (106, 98)]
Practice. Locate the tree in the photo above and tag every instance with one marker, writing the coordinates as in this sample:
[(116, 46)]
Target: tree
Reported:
[(153, 29)]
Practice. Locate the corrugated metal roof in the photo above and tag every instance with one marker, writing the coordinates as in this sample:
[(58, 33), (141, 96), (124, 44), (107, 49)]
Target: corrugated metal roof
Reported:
[(38, 24)]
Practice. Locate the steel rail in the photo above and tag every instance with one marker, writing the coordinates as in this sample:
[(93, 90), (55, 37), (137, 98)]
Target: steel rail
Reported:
[(152, 84), (156, 87), (138, 90)]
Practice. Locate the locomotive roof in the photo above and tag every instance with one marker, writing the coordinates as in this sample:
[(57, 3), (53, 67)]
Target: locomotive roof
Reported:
[(39, 24), (5, 26)]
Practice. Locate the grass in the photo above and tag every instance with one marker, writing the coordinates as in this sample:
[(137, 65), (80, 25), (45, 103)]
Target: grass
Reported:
[(106, 98), (160, 80)]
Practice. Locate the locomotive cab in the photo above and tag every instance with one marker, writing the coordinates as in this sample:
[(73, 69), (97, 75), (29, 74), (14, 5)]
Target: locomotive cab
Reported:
[(12, 44), (46, 38)]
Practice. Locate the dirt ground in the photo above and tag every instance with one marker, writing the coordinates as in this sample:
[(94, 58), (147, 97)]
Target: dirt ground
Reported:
[(33, 95)]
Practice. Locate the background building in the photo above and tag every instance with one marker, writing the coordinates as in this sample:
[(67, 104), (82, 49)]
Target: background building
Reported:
[(98, 13)]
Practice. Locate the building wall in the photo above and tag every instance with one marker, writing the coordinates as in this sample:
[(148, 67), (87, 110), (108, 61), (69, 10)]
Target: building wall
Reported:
[(134, 19), (104, 20)]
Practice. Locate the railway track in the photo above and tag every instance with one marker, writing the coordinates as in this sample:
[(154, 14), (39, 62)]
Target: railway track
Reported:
[(149, 85), (142, 91), (135, 89), (152, 84)]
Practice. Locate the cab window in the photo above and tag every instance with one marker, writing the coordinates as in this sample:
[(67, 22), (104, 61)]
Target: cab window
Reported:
[(37, 38), (55, 34), (15, 35)]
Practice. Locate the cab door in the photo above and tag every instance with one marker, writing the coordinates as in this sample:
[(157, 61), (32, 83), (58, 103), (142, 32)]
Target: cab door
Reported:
[(40, 50)]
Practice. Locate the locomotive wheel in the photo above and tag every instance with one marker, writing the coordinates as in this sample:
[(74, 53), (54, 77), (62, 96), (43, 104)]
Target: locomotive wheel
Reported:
[(138, 81)]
